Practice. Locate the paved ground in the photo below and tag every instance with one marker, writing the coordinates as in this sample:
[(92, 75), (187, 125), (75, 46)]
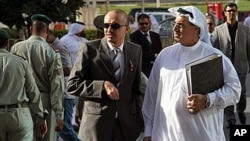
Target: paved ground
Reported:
[(237, 122), (247, 109)]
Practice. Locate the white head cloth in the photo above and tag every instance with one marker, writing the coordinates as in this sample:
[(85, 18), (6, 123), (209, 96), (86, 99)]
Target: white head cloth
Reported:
[(198, 19), (75, 28)]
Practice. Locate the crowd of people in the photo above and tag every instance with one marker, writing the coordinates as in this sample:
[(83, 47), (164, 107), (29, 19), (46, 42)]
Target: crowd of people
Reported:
[(113, 89)]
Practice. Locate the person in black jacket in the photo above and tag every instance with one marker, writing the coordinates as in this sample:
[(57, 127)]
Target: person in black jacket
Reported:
[(150, 42)]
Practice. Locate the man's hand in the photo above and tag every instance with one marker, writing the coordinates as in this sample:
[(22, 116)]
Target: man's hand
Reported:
[(78, 119), (147, 139), (41, 130), (196, 102), (50, 37), (111, 90), (59, 125)]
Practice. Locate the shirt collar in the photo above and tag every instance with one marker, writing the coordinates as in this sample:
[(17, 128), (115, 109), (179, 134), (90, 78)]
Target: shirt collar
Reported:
[(111, 48), (234, 26), (191, 48), (144, 32)]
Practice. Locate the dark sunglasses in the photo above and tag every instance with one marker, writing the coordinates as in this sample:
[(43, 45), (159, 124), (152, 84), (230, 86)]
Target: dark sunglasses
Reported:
[(143, 24), (231, 11), (183, 11), (112, 25), (210, 23)]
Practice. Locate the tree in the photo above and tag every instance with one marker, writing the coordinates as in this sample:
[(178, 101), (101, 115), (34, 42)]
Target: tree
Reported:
[(12, 11)]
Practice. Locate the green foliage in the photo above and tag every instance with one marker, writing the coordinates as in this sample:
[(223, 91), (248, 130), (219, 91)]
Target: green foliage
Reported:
[(12, 33), (59, 33), (55, 9), (90, 33), (244, 5)]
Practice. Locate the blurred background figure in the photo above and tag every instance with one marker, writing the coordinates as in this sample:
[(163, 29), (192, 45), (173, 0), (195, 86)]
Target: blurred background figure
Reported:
[(154, 23), (211, 26), (98, 22), (132, 24), (247, 21), (210, 23), (233, 39), (73, 40), (149, 41), (67, 64)]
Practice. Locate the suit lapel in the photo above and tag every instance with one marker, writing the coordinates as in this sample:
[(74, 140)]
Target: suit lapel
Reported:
[(127, 59), (238, 33), (105, 57), (226, 30), (145, 39)]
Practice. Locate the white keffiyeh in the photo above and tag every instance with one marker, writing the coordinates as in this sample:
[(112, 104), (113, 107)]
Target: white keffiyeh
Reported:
[(75, 28), (198, 19)]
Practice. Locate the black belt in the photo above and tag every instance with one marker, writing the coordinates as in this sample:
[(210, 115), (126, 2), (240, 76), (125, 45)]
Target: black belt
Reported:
[(21, 105)]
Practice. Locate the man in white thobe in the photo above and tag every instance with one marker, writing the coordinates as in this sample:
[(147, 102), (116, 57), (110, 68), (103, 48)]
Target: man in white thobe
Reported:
[(170, 113)]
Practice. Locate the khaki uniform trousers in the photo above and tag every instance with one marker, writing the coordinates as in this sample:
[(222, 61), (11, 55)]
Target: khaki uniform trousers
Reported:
[(50, 119), (15, 124)]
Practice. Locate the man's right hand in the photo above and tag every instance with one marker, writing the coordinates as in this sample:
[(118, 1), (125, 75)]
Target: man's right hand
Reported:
[(41, 130), (147, 139), (78, 119), (59, 125), (111, 90)]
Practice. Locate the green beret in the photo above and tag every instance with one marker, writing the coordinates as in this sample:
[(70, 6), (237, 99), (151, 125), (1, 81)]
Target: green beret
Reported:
[(41, 17), (4, 34), (98, 22)]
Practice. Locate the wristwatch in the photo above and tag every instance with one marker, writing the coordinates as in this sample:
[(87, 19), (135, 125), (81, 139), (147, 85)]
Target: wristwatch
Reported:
[(207, 102)]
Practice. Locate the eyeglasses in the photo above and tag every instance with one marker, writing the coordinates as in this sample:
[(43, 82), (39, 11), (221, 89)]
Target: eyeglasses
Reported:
[(143, 24), (112, 25), (210, 23), (183, 11), (231, 11)]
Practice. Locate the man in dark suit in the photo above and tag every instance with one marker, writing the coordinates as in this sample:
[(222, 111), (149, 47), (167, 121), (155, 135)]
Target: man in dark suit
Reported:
[(150, 42), (111, 109), (233, 39)]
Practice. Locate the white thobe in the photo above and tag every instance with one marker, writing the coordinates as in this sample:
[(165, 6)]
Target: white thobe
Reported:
[(165, 109), (73, 43)]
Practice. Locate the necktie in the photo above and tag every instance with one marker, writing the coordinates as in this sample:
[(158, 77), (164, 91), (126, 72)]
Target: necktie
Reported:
[(211, 38), (116, 65), (147, 37)]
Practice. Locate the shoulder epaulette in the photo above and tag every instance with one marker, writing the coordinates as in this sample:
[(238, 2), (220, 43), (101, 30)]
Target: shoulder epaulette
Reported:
[(20, 56)]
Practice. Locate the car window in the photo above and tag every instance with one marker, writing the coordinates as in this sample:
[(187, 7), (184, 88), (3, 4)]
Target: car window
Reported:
[(158, 17), (166, 25)]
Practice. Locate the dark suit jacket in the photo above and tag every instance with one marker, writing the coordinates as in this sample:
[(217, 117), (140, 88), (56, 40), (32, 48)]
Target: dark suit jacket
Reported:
[(222, 41), (93, 66), (148, 50)]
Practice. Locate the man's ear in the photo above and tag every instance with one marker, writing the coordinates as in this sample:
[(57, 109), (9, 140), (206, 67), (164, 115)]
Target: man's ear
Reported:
[(47, 30), (31, 29), (127, 29), (197, 29)]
